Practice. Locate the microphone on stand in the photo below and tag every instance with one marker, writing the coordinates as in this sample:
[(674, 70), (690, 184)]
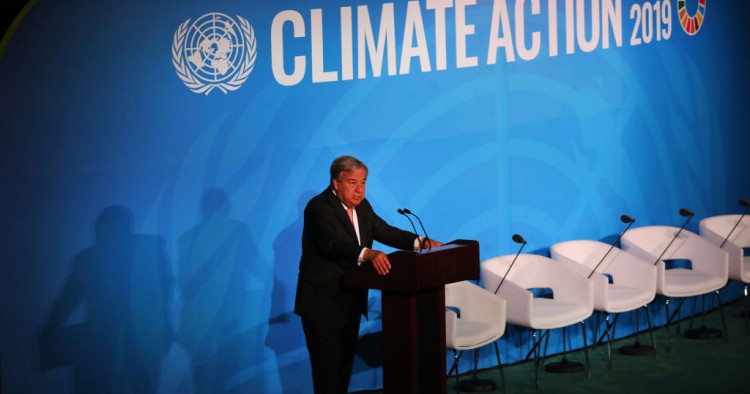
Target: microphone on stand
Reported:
[(744, 203), (684, 212), (625, 219), (401, 211), (519, 240), (421, 244)]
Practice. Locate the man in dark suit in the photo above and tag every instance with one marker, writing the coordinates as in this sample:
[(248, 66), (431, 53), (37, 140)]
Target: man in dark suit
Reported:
[(339, 229)]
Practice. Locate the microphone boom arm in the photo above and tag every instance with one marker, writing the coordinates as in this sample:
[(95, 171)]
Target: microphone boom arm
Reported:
[(426, 237), (690, 216), (610, 248), (401, 211), (516, 238)]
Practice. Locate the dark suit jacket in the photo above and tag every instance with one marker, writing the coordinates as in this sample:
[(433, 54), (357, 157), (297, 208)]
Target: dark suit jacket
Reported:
[(330, 249)]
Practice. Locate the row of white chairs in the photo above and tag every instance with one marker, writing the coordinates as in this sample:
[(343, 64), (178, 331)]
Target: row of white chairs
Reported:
[(586, 276)]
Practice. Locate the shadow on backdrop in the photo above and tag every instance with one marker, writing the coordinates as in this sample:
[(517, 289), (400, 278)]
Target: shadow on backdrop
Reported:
[(285, 337), (214, 274), (110, 322)]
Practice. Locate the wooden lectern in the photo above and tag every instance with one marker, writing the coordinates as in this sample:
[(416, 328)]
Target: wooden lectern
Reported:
[(413, 307)]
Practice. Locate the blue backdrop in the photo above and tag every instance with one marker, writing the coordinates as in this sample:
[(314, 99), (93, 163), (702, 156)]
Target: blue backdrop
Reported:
[(155, 158)]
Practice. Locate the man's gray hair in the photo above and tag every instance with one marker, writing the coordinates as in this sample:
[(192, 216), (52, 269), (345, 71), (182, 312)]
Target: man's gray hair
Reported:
[(345, 164)]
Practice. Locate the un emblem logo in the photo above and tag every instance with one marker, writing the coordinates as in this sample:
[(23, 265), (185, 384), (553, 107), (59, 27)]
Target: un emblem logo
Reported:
[(215, 51)]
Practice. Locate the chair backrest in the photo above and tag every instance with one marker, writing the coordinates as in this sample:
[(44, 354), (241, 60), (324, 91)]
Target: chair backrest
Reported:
[(722, 225), (586, 253), (653, 240), (532, 271), (527, 271), (650, 242), (458, 294), (475, 303), (716, 228), (618, 270)]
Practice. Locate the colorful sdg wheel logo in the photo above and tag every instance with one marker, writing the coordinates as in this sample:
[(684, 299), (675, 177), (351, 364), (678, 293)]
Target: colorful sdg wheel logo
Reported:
[(691, 23)]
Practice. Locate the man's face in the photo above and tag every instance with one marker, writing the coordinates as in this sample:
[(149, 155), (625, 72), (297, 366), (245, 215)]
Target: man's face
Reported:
[(351, 188)]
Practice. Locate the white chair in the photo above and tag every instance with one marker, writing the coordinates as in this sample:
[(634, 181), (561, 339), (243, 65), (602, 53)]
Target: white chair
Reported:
[(632, 285), (708, 271), (572, 296), (716, 229), (473, 318)]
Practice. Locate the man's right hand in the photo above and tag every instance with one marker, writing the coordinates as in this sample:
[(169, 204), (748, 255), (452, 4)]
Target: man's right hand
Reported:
[(379, 261)]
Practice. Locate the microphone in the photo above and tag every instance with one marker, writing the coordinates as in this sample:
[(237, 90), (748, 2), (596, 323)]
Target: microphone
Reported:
[(519, 240), (743, 203), (421, 244), (684, 212), (625, 219), (401, 211)]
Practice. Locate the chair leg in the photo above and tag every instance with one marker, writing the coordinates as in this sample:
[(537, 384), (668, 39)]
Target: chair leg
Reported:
[(614, 326), (536, 358), (704, 332), (638, 324), (564, 365), (536, 343), (535, 350), (600, 338), (677, 314), (476, 364), (747, 315), (500, 366), (650, 329), (666, 311), (476, 384), (544, 336), (703, 305), (695, 312), (721, 313), (612, 332), (637, 349), (586, 348), (596, 327), (456, 358), (565, 345), (609, 341)]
